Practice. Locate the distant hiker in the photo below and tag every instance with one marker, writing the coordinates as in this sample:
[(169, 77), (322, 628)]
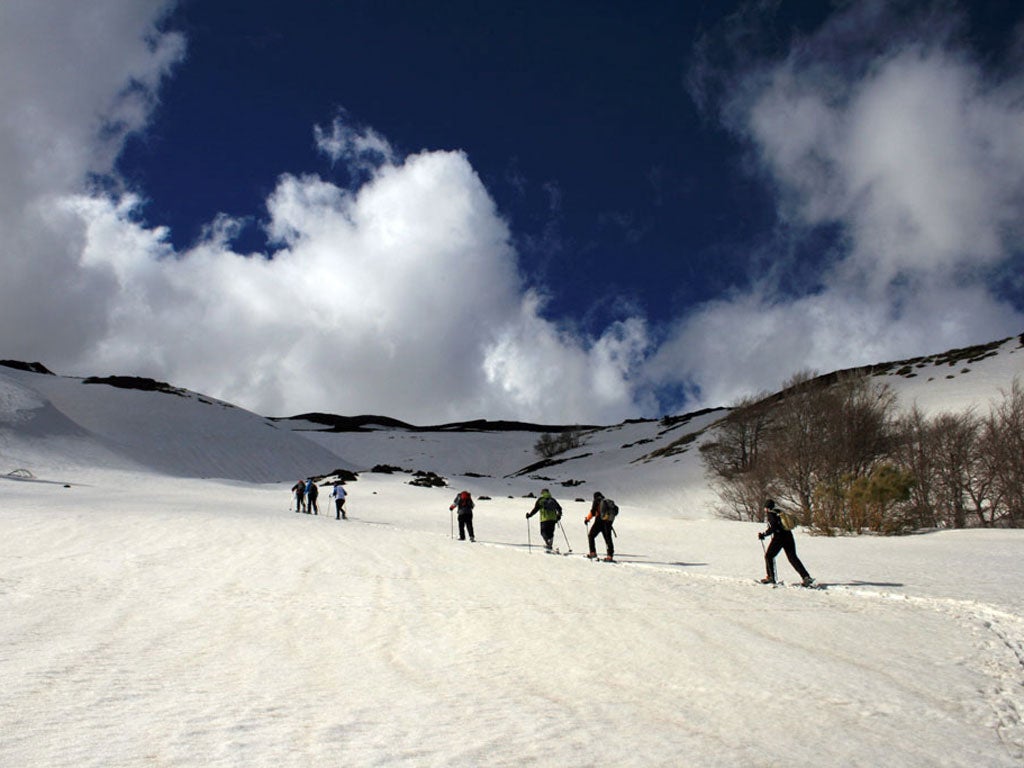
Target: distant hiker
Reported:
[(338, 494), (550, 514), (782, 540), (602, 512), (299, 489), (464, 503), (311, 493)]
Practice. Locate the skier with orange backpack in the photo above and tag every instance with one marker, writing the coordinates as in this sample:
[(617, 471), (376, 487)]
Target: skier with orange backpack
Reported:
[(602, 512)]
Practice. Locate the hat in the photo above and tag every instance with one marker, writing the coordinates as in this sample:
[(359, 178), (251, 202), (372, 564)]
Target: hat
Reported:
[(598, 495), (769, 504)]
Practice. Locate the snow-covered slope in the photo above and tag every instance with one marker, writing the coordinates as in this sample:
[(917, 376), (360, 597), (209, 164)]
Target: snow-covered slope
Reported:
[(958, 379), (152, 617), (57, 423), (652, 463), (615, 460), (200, 623)]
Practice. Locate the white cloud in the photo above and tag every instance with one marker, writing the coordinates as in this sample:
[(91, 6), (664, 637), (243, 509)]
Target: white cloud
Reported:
[(401, 295), (888, 130), (919, 158), (363, 149), (75, 79), (753, 342), (555, 379)]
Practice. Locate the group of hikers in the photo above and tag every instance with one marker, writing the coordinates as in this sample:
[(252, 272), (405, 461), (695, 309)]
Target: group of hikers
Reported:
[(603, 512), (306, 493)]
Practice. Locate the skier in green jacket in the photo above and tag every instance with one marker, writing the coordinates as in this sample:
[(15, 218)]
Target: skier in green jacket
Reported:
[(550, 513)]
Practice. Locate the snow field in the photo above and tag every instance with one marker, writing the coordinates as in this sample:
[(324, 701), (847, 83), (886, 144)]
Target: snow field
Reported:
[(160, 621)]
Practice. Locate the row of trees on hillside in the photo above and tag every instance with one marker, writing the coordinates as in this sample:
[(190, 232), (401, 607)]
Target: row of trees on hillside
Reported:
[(841, 455), (549, 445)]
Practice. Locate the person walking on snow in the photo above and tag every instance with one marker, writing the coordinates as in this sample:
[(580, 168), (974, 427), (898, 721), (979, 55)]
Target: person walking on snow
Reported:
[(311, 493), (602, 524), (299, 489), (338, 494), (464, 503), (782, 541), (550, 513)]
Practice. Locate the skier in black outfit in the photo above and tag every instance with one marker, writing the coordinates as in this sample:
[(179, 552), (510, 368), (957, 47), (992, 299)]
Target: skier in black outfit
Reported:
[(311, 494), (602, 526), (782, 540), (465, 504), (299, 489)]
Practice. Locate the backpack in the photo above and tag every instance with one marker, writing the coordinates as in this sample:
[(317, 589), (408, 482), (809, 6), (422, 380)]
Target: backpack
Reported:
[(609, 509), (465, 500), (550, 504), (788, 520)]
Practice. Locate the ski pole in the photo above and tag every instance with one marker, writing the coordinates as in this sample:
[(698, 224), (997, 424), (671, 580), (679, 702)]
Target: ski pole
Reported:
[(529, 537), (451, 514), (567, 544), (771, 573)]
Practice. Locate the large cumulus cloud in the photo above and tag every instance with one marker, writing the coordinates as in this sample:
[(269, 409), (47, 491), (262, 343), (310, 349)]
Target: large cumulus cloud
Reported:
[(400, 295)]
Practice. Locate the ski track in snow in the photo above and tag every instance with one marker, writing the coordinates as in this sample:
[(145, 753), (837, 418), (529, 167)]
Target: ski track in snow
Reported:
[(1000, 638)]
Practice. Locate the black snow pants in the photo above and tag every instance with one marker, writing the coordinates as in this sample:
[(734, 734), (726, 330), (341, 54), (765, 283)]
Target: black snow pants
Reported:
[(783, 541), (547, 532), (603, 527), (466, 525)]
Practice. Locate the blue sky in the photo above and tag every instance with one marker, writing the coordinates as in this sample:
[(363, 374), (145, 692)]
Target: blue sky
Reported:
[(575, 115), (554, 212)]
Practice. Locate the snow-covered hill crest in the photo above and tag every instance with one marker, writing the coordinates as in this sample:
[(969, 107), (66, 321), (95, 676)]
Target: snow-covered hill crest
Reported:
[(141, 424), (59, 422)]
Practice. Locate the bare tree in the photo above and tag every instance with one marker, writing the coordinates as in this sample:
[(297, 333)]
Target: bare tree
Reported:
[(833, 448), (954, 442), (828, 437), (549, 445), (804, 446), (1004, 443), (913, 454), (795, 454), (732, 459)]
